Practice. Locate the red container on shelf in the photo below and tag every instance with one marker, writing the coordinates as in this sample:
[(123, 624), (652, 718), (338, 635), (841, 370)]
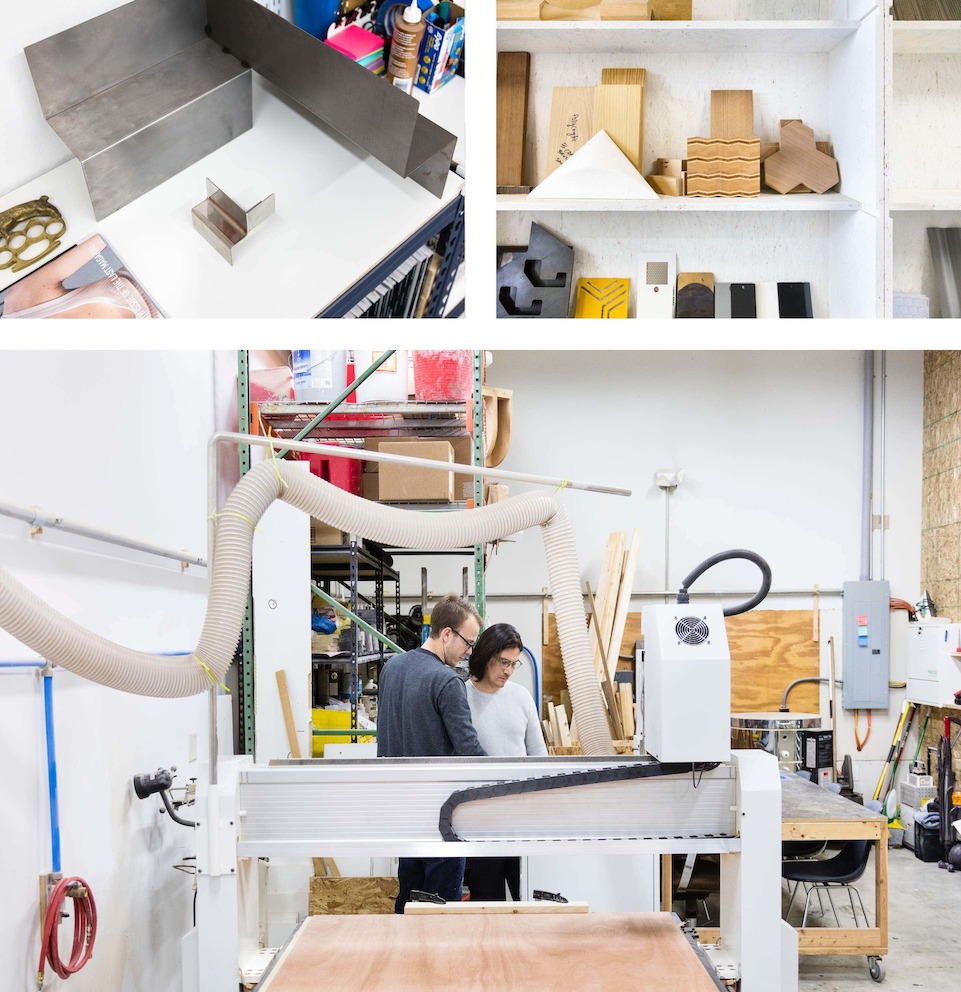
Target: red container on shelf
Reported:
[(442, 376), (344, 473)]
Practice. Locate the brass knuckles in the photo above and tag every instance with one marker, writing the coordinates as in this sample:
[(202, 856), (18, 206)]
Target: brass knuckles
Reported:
[(18, 221)]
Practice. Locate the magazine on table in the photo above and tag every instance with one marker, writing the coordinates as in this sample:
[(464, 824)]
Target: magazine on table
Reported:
[(88, 280)]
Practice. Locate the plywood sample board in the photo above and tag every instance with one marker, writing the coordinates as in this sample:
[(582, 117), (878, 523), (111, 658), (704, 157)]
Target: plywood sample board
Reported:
[(619, 110), (506, 952), (572, 123), (799, 162), (732, 113), (513, 76)]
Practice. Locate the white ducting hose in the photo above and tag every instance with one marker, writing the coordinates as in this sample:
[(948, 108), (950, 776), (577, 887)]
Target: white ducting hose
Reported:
[(73, 647)]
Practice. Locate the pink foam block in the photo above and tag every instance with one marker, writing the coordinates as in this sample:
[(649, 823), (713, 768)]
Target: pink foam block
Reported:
[(355, 42)]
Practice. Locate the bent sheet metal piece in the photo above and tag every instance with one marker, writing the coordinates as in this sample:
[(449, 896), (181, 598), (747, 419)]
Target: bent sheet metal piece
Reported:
[(535, 281), (223, 223), (140, 93), (352, 100), (945, 245)]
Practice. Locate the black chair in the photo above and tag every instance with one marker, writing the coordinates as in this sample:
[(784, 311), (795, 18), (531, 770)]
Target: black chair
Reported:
[(846, 867)]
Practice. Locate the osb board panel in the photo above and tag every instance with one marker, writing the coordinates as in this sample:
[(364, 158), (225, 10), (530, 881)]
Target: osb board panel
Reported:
[(504, 952), (769, 649), (352, 895), (553, 680)]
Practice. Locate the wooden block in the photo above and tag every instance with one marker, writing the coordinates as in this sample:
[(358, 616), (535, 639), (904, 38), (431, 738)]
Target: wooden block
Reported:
[(513, 74), (667, 185), (723, 167), (670, 166), (695, 294), (732, 113), (623, 603), (293, 743), (548, 732), (551, 11), (623, 77), (672, 10), (572, 123), (799, 163), (626, 697), (564, 727), (518, 10), (625, 10), (604, 298), (619, 110)]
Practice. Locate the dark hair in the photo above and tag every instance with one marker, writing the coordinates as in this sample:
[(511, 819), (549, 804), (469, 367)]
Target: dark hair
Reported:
[(495, 639), (451, 612)]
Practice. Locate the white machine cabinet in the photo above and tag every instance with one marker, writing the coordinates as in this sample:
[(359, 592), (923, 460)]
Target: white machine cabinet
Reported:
[(934, 663)]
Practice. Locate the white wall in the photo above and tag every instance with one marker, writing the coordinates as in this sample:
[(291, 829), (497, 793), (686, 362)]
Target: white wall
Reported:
[(116, 440), (771, 446)]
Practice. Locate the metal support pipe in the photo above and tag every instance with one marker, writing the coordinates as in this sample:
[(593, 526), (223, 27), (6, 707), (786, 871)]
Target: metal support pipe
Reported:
[(36, 518), (363, 624), (867, 464), (882, 413), (332, 406), (342, 451)]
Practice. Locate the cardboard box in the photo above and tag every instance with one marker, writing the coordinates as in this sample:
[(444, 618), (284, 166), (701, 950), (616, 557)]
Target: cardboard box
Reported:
[(321, 533), (463, 484), (440, 51), (407, 484)]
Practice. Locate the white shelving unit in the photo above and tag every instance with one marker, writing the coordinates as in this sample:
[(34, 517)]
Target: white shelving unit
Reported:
[(923, 97), (821, 62)]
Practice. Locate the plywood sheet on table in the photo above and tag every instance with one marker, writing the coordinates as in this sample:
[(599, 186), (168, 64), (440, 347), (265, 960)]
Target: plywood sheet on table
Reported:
[(473, 953), (769, 649)]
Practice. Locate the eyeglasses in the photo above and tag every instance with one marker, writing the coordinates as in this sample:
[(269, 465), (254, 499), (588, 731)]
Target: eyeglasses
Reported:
[(470, 644), (507, 663)]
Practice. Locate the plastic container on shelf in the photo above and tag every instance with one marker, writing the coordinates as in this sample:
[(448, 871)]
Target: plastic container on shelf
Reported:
[(344, 473), (441, 376), (319, 376), (388, 383)]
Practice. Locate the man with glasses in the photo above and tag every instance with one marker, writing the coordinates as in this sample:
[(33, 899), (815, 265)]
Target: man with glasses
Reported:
[(507, 724), (422, 712)]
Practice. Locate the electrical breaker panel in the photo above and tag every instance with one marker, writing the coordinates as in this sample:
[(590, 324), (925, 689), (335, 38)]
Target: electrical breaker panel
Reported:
[(934, 662), (866, 645), (687, 683)]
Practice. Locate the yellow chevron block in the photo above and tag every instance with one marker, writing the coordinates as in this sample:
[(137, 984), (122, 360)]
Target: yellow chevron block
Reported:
[(605, 298)]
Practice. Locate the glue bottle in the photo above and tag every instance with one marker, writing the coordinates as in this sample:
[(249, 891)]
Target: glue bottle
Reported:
[(405, 48)]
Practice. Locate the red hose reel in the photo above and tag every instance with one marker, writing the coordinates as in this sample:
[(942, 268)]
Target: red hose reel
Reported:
[(84, 929)]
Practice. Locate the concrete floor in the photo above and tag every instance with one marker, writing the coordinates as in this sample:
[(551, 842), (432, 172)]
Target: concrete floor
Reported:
[(924, 922)]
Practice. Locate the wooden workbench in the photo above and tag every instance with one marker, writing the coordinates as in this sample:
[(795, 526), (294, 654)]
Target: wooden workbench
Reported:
[(590, 952), (811, 812)]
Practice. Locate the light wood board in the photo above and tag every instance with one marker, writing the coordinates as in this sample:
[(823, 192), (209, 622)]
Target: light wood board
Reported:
[(625, 10), (672, 10), (513, 75), (572, 123), (518, 10), (732, 113), (509, 953), (474, 908), (619, 110), (799, 163)]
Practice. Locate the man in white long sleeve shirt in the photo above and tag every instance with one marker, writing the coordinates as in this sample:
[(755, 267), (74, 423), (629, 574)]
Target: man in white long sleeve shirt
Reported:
[(507, 725)]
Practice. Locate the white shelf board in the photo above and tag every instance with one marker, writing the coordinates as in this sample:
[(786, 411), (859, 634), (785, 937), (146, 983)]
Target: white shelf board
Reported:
[(766, 202), (925, 199), (927, 37), (681, 37)]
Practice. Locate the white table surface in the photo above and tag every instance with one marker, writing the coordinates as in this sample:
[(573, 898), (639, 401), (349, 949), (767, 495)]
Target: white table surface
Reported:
[(338, 213)]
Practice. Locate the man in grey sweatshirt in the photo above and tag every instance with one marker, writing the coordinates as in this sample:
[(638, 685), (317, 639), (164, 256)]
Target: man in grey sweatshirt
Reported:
[(422, 712)]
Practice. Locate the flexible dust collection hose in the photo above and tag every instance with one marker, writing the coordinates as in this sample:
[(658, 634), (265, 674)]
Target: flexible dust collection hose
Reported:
[(66, 643)]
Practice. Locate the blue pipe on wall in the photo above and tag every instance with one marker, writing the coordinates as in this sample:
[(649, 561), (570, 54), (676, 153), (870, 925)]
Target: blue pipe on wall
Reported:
[(23, 664), (52, 773), (537, 691)]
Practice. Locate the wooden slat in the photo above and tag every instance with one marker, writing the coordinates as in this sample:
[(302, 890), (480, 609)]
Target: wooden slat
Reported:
[(292, 741), (513, 74), (572, 124), (472, 908), (626, 587), (625, 10), (672, 10), (831, 940), (518, 10), (732, 113)]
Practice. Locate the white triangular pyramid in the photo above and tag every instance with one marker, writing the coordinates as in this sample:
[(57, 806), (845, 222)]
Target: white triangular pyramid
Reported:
[(598, 170)]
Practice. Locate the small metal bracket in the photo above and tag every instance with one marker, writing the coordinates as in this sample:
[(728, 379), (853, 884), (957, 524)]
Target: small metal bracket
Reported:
[(416, 895), (542, 896), (223, 223)]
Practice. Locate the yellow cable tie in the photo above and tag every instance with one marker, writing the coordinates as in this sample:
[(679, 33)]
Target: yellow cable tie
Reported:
[(253, 526), (207, 669), (270, 448), (563, 484)]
